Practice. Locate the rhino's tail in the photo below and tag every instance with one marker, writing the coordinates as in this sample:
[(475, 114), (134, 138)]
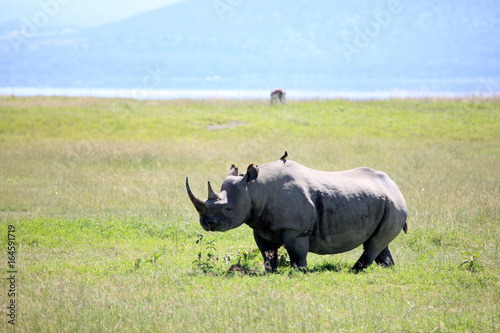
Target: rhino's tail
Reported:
[(405, 228)]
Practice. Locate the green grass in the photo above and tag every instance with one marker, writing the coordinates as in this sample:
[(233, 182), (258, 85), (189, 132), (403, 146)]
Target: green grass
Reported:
[(107, 237)]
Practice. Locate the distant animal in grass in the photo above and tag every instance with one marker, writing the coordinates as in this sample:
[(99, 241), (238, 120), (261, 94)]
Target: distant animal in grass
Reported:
[(278, 94)]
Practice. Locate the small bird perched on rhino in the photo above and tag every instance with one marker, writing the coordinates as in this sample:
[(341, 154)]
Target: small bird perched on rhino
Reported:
[(306, 210), (284, 157)]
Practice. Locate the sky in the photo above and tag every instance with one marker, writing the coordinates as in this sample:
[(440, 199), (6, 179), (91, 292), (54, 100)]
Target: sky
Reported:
[(79, 13)]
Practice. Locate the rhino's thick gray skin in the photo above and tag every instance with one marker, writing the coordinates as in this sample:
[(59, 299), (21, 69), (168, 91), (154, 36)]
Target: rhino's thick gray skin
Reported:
[(306, 210)]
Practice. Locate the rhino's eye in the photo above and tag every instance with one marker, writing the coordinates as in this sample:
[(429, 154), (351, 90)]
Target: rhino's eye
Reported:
[(227, 209)]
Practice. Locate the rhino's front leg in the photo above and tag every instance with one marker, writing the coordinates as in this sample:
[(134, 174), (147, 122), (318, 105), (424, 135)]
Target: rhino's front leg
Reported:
[(269, 252), (297, 248)]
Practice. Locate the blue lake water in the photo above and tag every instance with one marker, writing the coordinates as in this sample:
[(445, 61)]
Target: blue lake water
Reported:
[(243, 94)]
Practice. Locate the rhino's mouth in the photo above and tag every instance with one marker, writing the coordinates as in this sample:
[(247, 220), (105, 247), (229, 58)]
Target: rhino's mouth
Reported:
[(210, 223), (209, 228)]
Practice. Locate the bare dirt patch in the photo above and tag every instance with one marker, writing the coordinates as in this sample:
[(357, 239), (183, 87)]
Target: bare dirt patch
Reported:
[(218, 127)]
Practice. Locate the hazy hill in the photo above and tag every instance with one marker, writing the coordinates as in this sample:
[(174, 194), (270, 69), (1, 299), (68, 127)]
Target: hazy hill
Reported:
[(361, 45)]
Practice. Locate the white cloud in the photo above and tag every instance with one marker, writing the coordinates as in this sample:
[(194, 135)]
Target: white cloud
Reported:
[(84, 13)]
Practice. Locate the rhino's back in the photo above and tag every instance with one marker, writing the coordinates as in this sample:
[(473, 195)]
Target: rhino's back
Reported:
[(349, 182)]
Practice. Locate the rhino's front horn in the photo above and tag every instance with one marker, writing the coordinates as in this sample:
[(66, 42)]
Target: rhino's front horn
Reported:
[(198, 204), (211, 194)]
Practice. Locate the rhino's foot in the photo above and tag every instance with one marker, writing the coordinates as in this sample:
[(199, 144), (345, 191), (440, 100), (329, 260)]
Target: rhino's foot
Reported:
[(358, 267), (302, 269), (269, 252), (364, 261), (385, 258), (270, 260)]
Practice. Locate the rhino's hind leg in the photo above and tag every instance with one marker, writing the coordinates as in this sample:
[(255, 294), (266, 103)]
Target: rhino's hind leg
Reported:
[(385, 258)]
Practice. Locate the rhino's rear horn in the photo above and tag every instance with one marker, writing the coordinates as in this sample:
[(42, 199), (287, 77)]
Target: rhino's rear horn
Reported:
[(211, 194), (198, 204)]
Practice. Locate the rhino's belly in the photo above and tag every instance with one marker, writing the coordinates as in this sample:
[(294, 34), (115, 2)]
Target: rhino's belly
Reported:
[(337, 243), (344, 225)]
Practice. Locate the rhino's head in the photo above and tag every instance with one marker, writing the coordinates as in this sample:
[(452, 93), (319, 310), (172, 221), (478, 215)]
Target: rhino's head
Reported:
[(231, 207)]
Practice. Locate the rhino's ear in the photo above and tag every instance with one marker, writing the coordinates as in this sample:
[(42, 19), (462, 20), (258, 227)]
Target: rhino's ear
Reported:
[(233, 171), (252, 173)]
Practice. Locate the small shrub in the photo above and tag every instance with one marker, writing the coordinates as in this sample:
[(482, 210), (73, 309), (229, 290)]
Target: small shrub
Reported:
[(283, 258), (470, 261), (207, 256), (153, 259)]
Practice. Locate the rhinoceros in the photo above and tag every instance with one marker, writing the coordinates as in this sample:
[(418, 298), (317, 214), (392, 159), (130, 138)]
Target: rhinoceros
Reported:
[(305, 210)]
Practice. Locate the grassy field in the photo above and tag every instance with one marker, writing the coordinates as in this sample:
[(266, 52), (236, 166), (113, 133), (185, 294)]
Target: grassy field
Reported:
[(107, 239)]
